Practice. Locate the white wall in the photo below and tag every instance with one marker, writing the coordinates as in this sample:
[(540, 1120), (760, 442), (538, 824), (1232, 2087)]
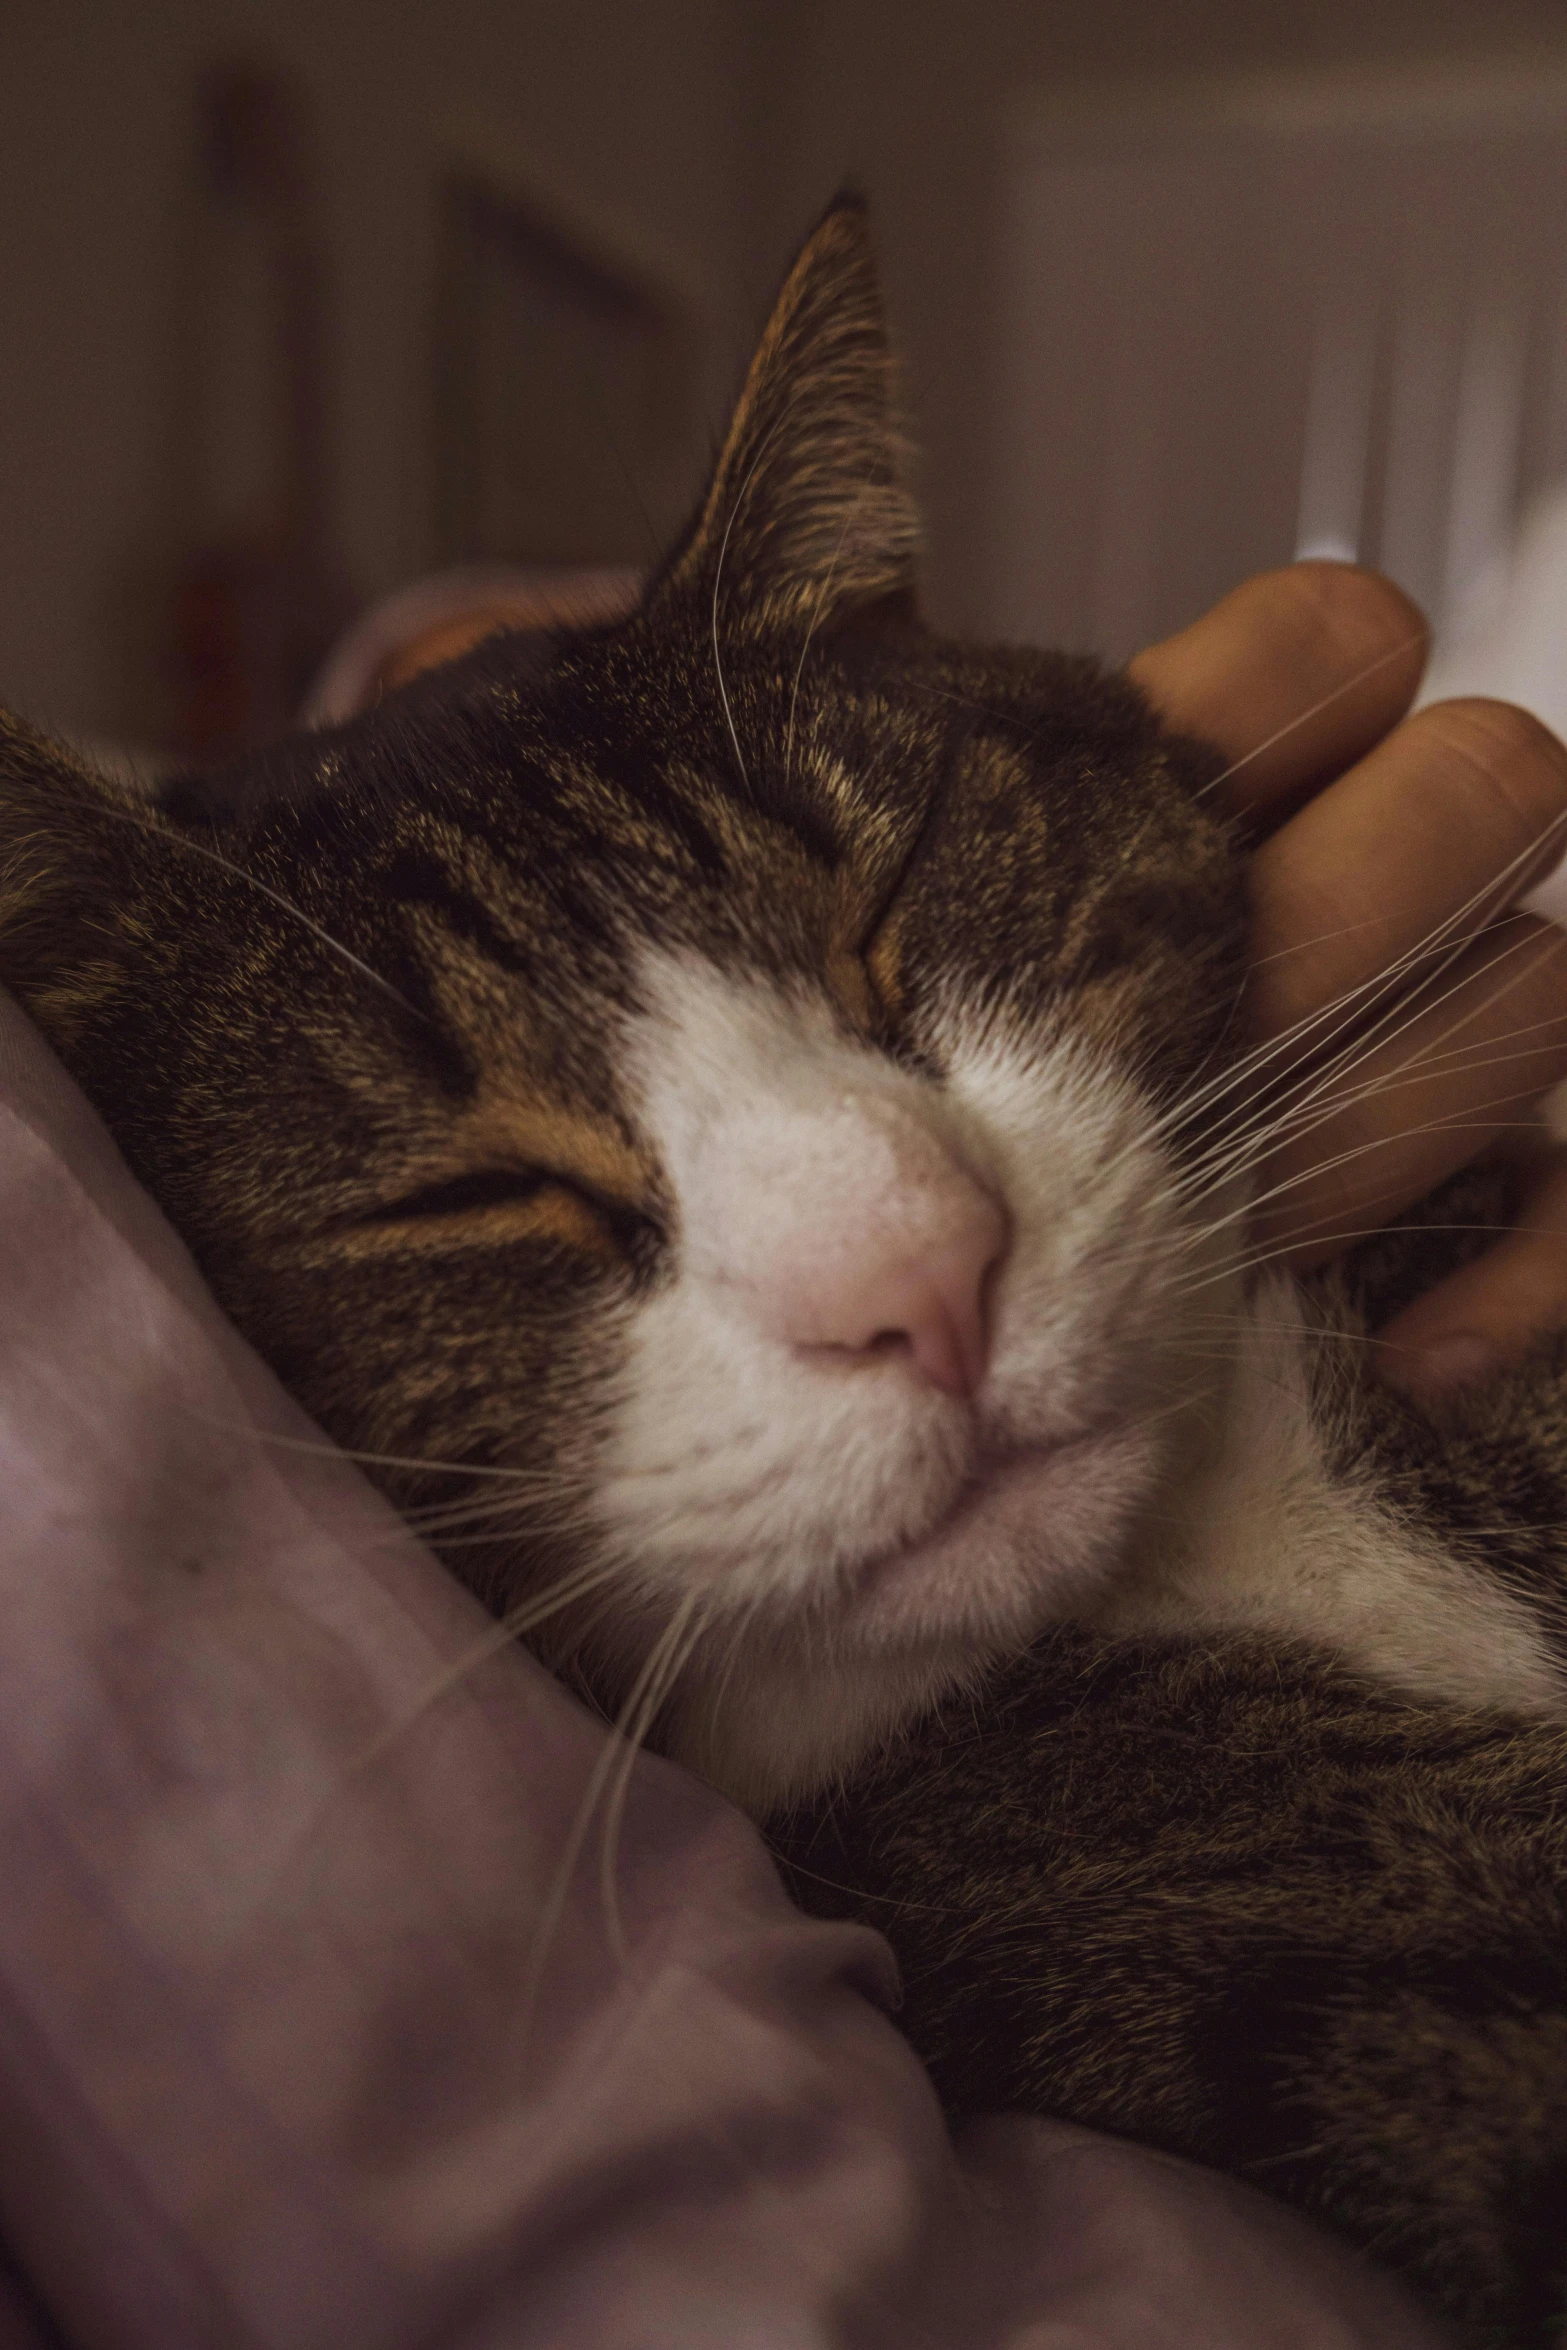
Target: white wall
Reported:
[(1274, 314)]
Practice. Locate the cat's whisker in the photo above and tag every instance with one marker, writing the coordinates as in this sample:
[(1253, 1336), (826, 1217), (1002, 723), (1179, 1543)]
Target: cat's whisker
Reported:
[(1351, 684), (1344, 1238), (718, 573), (885, 1901), (1333, 1165), (196, 848), (1265, 1141), (679, 1645), (1448, 938), (1322, 938), (581, 1583), (560, 1514), (1482, 1054), (1243, 1072), (1345, 1019), (1417, 1073), (1174, 1405), (1490, 907), (740, 1629), (475, 1508), (1315, 1230), (1330, 1102), (1390, 982), (1418, 638), (1252, 1139), (326, 1450), (471, 1527), (1502, 1527), (1281, 1328), (822, 606), (503, 1634), (431, 1517), (1406, 1007), (974, 703), (552, 1908), (504, 1531)]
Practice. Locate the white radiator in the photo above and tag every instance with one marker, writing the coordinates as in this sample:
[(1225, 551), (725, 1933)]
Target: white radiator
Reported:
[(1247, 320)]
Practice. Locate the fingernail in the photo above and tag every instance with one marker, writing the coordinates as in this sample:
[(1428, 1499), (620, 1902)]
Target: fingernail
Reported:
[(1462, 1358)]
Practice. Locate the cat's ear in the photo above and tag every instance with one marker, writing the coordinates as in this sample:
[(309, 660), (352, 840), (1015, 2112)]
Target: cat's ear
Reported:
[(810, 514), (69, 842)]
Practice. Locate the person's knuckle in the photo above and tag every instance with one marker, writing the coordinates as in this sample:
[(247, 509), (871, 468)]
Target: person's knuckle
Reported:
[(1505, 756), (1344, 617)]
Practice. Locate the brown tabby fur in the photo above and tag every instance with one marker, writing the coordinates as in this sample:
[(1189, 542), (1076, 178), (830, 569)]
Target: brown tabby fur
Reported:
[(352, 1013), (1225, 1897)]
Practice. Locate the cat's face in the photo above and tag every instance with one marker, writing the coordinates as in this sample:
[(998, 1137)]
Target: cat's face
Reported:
[(725, 1072)]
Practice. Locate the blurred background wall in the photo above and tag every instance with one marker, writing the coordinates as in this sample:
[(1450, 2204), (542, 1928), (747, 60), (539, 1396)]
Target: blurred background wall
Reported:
[(640, 114), (682, 144)]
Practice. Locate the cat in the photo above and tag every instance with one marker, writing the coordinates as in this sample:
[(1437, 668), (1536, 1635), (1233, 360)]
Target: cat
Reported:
[(737, 1117)]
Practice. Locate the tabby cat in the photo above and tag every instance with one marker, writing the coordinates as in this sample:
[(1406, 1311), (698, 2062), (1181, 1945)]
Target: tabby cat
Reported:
[(759, 1082)]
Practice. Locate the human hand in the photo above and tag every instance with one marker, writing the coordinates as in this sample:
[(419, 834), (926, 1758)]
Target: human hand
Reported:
[(1390, 845), (439, 618), (568, 599)]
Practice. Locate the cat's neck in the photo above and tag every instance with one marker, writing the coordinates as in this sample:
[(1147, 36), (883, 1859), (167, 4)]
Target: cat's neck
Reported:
[(1283, 1527)]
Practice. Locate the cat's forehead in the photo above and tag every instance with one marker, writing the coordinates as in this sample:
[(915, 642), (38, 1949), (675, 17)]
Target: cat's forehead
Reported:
[(509, 839), (658, 753), (609, 794)]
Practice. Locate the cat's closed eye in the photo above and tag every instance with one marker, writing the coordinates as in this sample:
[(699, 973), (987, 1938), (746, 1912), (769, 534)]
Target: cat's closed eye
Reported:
[(482, 1187), (555, 1207)]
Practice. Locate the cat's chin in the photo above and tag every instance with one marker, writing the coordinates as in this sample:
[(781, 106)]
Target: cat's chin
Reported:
[(1036, 1540), (1029, 1538)]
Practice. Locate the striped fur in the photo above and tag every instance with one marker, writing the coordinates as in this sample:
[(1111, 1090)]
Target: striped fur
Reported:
[(407, 1024)]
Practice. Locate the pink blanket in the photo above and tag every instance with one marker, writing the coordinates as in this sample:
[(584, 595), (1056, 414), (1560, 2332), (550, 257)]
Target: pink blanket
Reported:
[(314, 2032)]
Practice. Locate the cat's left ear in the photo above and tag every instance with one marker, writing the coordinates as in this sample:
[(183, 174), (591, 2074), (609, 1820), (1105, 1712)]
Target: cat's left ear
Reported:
[(72, 845), (810, 515)]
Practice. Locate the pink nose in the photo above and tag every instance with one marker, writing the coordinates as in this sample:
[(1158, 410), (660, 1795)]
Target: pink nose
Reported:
[(931, 1310), (917, 1293), (851, 1227)]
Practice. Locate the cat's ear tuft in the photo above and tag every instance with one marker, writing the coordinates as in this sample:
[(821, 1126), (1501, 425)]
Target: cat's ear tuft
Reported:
[(810, 515), (67, 840)]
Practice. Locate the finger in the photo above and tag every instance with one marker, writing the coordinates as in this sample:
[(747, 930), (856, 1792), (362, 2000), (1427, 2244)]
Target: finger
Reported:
[(570, 599), (1404, 1112), (1488, 1313), (1405, 849), (1292, 677)]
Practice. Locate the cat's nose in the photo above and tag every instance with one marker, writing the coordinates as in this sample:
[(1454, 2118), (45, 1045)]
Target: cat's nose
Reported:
[(929, 1306), (853, 1229), (891, 1258)]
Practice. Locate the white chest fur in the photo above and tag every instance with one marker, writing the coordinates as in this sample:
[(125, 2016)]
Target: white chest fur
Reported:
[(1266, 1536)]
